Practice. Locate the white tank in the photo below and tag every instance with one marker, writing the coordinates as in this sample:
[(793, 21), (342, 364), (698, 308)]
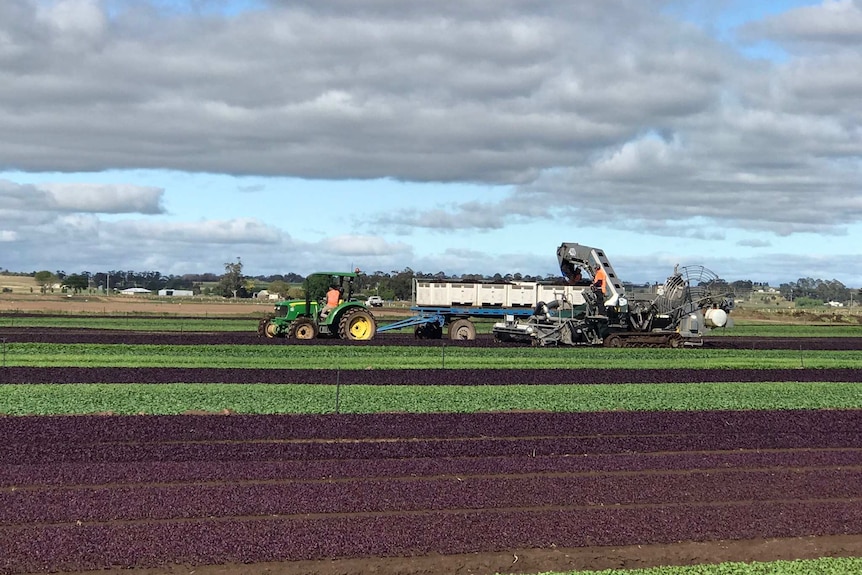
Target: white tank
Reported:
[(714, 317)]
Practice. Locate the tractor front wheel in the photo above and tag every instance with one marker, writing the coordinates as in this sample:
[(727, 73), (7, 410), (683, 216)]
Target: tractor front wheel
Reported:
[(303, 328), (261, 327), (267, 328), (357, 324)]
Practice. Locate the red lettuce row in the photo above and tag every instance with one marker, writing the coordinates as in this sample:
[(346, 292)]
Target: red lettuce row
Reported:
[(150, 544), (167, 472), (257, 450), (455, 494), (34, 430)]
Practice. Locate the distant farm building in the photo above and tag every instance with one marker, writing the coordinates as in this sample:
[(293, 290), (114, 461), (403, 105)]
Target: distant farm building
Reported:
[(176, 292), (265, 294), (134, 291)]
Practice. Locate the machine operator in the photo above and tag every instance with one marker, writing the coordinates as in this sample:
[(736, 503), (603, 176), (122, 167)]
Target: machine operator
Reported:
[(600, 280)]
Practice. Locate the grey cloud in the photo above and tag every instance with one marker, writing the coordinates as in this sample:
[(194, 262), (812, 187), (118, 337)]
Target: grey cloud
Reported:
[(236, 231), (604, 109), (832, 23), (464, 216), (754, 243), (24, 198), (106, 198), (44, 209), (330, 90), (94, 198), (482, 216), (83, 242), (253, 188)]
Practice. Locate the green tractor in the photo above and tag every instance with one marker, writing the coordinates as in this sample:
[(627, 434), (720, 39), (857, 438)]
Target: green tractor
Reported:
[(307, 319)]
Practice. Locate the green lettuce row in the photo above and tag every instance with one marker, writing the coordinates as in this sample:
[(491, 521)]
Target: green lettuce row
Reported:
[(745, 329), (175, 398), (381, 357), (822, 566)]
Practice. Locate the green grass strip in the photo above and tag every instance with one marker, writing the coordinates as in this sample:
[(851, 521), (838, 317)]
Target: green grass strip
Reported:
[(51, 399), (823, 566), (135, 322), (399, 357), (788, 330)]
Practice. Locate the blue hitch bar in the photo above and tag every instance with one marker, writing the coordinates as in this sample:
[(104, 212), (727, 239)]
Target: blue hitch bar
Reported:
[(412, 321), (441, 315)]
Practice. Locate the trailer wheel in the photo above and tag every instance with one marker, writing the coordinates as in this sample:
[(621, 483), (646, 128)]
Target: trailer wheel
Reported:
[(462, 329), (303, 328), (428, 331), (614, 341)]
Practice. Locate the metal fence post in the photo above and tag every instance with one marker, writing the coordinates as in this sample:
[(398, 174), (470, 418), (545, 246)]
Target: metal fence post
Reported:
[(337, 390)]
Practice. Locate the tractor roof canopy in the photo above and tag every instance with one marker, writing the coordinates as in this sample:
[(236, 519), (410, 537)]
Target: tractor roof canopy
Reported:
[(336, 274)]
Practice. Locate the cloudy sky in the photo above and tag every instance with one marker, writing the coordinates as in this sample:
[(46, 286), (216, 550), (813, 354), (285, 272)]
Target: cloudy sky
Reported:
[(464, 137)]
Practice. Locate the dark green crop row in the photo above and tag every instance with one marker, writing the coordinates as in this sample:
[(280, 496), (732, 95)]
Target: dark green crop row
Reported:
[(175, 398), (394, 357), (136, 322)]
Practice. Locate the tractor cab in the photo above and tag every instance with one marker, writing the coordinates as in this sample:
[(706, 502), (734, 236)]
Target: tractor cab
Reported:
[(340, 291)]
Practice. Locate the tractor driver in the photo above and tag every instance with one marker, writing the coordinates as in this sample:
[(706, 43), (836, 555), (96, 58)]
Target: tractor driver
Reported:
[(333, 298)]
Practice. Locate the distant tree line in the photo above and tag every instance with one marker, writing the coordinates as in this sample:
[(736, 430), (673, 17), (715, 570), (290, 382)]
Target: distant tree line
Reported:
[(817, 290), (392, 285), (118, 280)]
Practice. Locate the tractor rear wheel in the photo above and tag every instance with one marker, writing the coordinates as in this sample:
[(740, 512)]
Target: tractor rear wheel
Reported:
[(357, 324), (303, 328), (462, 329)]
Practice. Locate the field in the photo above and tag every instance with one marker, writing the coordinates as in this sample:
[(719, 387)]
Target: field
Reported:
[(146, 442)]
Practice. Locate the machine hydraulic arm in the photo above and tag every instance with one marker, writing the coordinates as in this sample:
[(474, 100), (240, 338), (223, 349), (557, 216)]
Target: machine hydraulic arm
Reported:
[(576, 258)]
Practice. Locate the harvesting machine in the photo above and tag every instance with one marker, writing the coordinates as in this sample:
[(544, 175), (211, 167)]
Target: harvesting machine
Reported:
[(692, 301)]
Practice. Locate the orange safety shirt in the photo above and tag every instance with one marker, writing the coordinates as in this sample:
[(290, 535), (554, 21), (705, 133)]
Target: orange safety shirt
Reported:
[(601, 276), (332, 297)]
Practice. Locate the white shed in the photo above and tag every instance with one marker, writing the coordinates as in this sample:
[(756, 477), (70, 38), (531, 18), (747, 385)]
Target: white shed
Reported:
[(176, 292), (134, 291)]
